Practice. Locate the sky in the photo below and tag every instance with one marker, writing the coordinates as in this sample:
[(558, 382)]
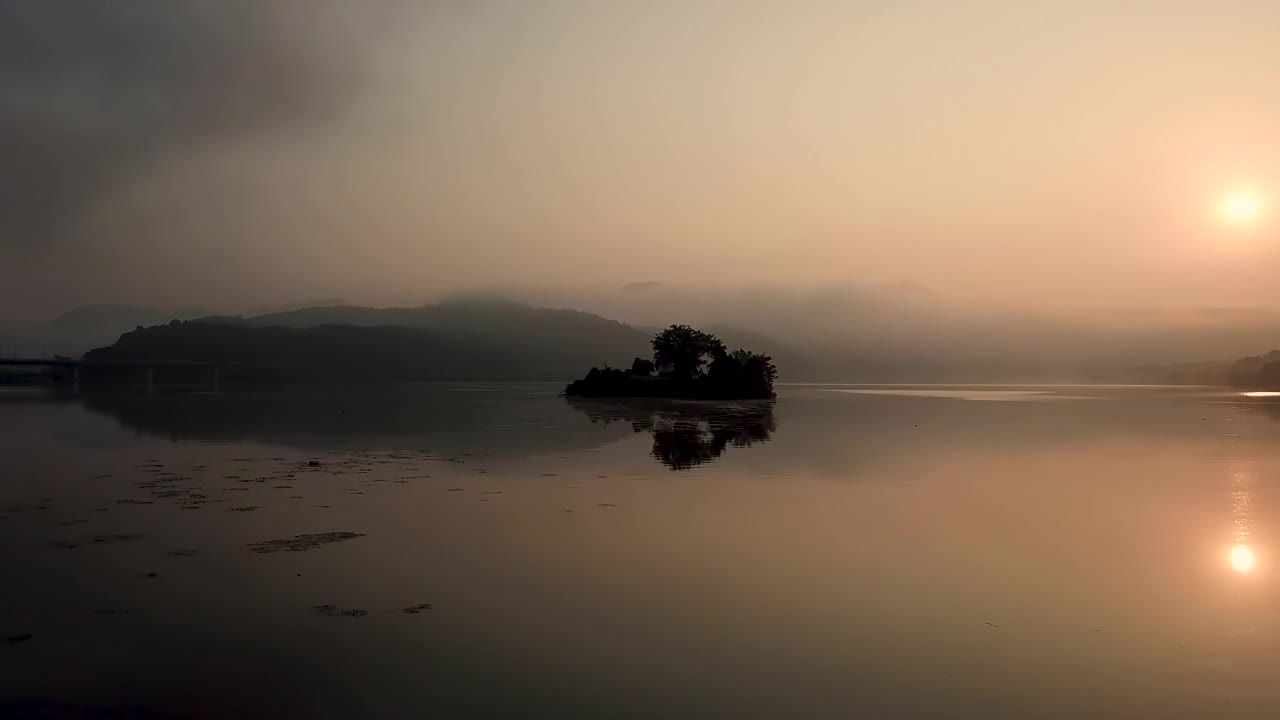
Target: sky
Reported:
[(998, 153)]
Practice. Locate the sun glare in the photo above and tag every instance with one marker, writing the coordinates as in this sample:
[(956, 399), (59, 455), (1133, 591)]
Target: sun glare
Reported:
[(1241, 207), (1242, 558)]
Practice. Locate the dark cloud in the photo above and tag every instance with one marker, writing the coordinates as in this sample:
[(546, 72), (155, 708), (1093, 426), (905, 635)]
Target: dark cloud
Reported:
[(93, 92)]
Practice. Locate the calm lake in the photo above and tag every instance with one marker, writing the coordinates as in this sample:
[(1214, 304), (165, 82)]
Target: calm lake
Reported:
[(496, 551)]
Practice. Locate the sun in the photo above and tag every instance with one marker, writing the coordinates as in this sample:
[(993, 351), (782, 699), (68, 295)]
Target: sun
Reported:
[(1242, 207)]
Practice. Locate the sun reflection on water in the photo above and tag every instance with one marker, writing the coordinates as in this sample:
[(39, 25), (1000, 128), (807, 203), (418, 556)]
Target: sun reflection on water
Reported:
[(1242, 558)]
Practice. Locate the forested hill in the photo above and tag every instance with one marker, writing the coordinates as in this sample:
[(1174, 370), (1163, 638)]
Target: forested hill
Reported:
[(1258, 372), (464, 340)]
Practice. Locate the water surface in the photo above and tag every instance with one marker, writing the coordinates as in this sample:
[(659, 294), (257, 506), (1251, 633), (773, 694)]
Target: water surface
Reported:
[(497, 551)]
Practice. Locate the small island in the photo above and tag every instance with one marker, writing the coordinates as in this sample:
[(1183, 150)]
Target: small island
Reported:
[(687, 364)]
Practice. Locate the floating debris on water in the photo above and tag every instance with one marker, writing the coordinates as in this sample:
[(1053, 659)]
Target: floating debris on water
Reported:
[(151, 575), (313, 463), (110, 611), (14, 639), (245, 508), (331, 611), (414, 610), (63, 545), (130, 501), (299, 543), (185, 553), (606, 504), (454, 489)]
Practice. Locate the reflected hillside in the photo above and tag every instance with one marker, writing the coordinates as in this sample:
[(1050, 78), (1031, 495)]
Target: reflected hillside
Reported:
[(1268, 407), (686, 435), (500, 421)]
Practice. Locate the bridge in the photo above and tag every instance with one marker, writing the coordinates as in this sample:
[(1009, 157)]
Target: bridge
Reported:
[(150, 366)]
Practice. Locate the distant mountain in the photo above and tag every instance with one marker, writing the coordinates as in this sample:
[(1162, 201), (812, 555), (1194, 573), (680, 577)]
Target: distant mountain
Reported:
[(461, 340), (515, 325), (290, 307), (82, 328), (98, 319), (645, 286)]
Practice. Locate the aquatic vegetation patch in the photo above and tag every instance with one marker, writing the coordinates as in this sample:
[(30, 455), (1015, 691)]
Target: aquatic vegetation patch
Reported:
[(332, 611), (115, 537), (299, 543)]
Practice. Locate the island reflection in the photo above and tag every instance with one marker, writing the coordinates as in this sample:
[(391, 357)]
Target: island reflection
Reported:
[(686, 434)]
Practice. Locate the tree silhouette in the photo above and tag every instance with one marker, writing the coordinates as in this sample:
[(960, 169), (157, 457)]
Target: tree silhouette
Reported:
[(642, 367)]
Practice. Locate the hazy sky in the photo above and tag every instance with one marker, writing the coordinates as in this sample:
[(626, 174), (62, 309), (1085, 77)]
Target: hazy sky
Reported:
[(178, 152)]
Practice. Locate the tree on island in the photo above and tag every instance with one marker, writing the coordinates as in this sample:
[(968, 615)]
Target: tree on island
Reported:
[(681, 351), (690, 364)]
